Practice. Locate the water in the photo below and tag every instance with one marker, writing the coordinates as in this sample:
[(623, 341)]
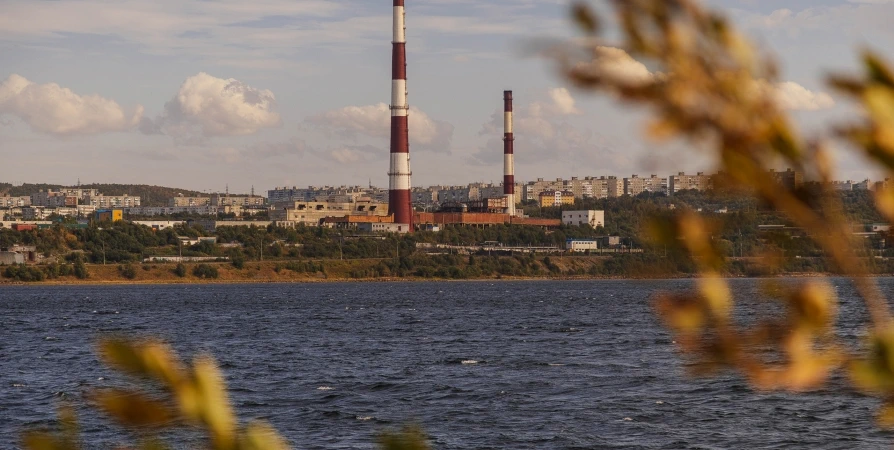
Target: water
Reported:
[(480, 365)]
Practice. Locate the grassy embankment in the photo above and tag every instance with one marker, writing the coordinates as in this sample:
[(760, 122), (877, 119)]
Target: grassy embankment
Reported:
[(277, 271)]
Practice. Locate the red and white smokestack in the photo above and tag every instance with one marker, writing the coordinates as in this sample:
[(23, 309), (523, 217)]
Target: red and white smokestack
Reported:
[(508, 154), (399, 201)]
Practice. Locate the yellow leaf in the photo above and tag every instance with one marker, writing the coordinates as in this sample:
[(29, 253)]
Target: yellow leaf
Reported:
[(717, 295), (879, 101), (214, 405), (410, 438), (260, 436), (133, 409), (884, 200)]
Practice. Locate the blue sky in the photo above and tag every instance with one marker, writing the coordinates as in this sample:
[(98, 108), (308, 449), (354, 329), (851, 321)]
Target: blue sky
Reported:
[(200, 94)]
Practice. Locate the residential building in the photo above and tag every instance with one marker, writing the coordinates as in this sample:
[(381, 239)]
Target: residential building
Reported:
[(555, 198), (112, 201), (790, 179), (614, 187), (15, 202), (181, 200), (635, 185), (227, 200), (169, 210), (592, 218), (683, 182)]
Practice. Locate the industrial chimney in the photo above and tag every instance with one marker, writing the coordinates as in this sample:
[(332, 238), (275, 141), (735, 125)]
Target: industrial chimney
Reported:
[(399, 200), (508, 158)]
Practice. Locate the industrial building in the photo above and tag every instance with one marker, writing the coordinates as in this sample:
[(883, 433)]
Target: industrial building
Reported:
[(313, 213), (592, 218)]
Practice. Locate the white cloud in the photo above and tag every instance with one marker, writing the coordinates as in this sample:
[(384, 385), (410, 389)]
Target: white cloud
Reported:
[(50, 108), (776, 18), (215, 107), (617, 65), (563, 102), (374, 121), (793, 96)]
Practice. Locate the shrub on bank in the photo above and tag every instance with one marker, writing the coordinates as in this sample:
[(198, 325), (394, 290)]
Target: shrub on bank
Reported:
[(206, 271)]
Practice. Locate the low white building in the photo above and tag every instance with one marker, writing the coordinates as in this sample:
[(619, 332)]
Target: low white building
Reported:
[(581, 245), (159, 224), (375, 227), (592, 218)]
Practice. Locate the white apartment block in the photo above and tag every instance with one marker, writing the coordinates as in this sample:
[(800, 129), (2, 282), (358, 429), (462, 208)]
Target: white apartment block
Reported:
[(112, 201), (592, 218), (169, 210), (181, 200), (227, 200)]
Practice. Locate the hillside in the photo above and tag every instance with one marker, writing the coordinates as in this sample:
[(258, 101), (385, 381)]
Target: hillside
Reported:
[(149, 195)]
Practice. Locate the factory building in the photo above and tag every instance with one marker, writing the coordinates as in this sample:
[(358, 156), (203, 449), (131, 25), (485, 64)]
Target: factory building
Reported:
[(592, 218)]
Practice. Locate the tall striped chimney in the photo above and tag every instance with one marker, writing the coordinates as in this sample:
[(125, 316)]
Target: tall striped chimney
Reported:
[(399, 201), (508, 154)]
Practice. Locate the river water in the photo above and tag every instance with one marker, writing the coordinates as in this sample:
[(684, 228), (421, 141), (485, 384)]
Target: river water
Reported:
[(479, 365)]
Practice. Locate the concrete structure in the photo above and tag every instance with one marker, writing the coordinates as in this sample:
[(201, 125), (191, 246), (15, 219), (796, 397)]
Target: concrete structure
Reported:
[(10, 258), (108, 215), (312, 213), (581, 245), (40, 212), (15, 202), (508, 154), (151, 211), (112, 201), (212, 225), (399, 201), (635, 185), (15, 224), (592, 218), (159, 224), (790, 179), (227, 200), (683, 182), (383, 227), (555, 198), (181, 200)]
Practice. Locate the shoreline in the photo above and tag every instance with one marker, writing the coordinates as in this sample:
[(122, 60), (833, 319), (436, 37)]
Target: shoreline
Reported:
[(167, 282)]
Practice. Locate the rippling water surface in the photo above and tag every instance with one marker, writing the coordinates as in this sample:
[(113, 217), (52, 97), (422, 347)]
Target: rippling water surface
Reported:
[(507, 365)]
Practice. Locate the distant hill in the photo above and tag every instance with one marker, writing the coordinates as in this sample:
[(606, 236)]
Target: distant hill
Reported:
[(149, 195)]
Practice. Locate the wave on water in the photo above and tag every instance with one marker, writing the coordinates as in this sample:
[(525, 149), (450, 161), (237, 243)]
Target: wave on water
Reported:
[(469, 361), (325, 388)]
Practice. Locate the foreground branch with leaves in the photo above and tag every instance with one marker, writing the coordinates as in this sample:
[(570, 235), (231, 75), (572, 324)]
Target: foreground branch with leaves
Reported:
[(712, 89)]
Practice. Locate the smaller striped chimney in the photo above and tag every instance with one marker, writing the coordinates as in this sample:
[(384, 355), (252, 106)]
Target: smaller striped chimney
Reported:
[(508, 161)]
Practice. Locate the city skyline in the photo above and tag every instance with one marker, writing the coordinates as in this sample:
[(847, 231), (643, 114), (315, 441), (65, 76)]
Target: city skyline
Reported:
[(284, 93)]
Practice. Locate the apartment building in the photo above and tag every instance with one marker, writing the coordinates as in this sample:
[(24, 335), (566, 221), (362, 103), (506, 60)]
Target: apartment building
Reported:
[(227, 200), (182, 200), (683, 182), (555, 198), (636, 185), (15, 202), (112, 201)]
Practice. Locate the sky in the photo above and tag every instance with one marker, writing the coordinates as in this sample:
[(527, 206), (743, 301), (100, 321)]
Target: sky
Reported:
[(204, 94)]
